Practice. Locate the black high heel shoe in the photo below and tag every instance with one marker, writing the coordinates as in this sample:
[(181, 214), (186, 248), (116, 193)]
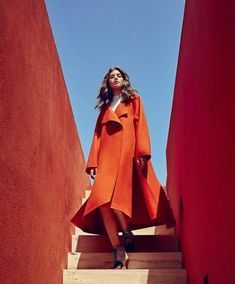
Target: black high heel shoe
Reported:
[(120, 258), (128, 239)]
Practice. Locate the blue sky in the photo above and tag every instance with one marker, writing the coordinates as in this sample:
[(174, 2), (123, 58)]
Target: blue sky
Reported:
[(142, 37)]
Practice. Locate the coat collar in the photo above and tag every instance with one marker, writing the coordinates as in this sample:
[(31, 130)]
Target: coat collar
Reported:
[(107, 114)]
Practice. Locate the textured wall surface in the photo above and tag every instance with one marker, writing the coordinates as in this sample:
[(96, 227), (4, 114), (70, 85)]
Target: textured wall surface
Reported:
[(200, 150), (42, 165)]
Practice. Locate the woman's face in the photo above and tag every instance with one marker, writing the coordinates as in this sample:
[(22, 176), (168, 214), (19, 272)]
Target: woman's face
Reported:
[(115, 80)]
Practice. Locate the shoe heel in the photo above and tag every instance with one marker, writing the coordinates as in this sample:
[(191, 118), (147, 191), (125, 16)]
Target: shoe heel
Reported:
[(120, 258), (125, 266)]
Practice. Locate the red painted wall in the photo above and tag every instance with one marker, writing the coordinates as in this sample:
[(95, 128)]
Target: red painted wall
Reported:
[(42, 175), (201, 142)]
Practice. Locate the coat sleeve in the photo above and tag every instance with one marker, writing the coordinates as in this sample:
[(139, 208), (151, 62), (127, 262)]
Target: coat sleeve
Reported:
[(142, 144), (92, 161)]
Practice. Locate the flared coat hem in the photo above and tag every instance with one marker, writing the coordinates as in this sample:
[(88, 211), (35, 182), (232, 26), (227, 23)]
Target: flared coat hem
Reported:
[(151, 211)]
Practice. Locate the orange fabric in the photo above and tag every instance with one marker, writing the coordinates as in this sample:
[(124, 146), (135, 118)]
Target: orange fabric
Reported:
[(119, 138)]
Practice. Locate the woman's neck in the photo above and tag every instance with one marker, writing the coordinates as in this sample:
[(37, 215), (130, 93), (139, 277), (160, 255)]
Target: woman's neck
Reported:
[(117, 93)]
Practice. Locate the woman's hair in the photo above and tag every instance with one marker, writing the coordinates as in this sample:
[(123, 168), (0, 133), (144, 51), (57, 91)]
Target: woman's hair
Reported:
[(106, 94)]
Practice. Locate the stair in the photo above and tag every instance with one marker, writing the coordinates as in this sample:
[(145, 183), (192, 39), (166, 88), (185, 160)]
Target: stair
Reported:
[(129, 276), (156, 259), (137, 260)]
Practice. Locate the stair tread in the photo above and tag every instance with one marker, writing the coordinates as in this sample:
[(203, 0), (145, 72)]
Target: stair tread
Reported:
[(145, 231), (159, 230), (137, 260), (143, 243), (126, 276)]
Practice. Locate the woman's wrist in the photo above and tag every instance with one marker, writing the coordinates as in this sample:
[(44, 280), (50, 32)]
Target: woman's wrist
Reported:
[(141, 162), (92, 172), (92, 168), (142, 158)]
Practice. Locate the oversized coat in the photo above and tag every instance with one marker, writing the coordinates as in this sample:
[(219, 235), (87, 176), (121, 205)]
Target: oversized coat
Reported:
[(120, 137)]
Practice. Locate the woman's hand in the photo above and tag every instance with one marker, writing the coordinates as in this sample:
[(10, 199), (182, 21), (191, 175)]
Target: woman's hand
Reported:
[(141, 162), (93, 173)]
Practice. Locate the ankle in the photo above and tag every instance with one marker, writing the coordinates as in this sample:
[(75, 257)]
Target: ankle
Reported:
[(118, 247), (125, 231), (128, 240), (120, 257)]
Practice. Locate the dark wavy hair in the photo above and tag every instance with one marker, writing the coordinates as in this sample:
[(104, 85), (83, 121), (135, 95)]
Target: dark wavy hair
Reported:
[(106, 94)]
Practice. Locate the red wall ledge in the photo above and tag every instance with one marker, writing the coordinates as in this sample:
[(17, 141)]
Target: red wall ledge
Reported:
[(41, 161), (201, 142)]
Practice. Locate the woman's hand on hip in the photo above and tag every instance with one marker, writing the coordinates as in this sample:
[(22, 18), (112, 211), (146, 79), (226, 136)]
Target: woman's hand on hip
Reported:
[(141, 162), (93, 173)]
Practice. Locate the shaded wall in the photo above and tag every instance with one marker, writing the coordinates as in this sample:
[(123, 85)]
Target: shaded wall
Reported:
[(42, 165), (200, 150)]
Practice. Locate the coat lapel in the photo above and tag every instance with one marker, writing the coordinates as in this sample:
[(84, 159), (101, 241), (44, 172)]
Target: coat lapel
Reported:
[(122, 110), (109, 115)]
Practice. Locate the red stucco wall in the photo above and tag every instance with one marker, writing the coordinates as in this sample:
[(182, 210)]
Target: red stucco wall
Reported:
[(41, 161), (201, 142)]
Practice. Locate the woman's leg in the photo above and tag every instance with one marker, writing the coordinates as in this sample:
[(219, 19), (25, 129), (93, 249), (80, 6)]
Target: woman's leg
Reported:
[(128, 236), (121, 219), (111, 226)]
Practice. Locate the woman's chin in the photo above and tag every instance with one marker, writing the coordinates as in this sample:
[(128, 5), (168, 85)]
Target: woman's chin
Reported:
[(117, 87)]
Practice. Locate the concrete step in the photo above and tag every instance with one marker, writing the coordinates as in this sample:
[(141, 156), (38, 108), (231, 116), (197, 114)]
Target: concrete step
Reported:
[(84, 200), (87, 194), (145, 231), (162, 230), (143, 243), (125, 276), (158, 230), (79, 232), (137, 260)]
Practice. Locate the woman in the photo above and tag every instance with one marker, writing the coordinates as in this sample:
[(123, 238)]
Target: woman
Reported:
[(126, 194)]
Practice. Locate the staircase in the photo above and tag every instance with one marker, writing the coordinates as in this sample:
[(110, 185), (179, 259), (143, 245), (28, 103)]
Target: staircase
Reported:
[(156, 259)]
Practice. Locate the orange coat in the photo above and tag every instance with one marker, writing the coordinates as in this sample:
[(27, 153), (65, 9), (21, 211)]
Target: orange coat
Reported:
[(120, 137)]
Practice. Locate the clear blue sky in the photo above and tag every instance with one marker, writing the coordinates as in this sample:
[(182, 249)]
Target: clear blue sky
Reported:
[(140, 36)]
